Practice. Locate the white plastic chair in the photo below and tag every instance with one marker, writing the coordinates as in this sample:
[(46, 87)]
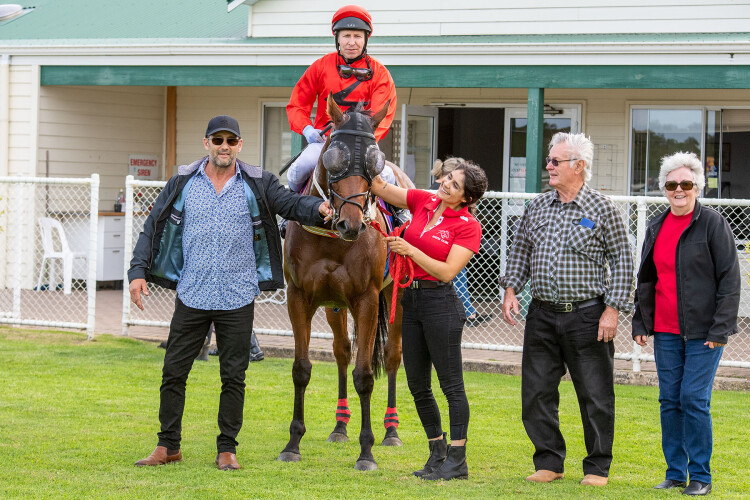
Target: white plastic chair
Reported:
[(46, 227)]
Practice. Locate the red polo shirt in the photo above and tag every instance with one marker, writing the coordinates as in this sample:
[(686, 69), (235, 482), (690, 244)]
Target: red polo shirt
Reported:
[(665, 251), (455, 227)]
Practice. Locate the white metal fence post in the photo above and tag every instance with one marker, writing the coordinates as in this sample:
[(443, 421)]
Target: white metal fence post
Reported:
[(93, 250), (640, 235), (128, 253), (17, 239)]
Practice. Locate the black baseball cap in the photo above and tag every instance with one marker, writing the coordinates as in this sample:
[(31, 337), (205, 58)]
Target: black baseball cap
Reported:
[(225, 123)]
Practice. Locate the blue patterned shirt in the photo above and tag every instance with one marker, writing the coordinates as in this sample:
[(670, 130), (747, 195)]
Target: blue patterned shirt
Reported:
[(217, 244)]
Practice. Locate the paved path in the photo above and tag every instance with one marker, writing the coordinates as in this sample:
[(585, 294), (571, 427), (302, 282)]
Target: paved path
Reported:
[(109, 320)]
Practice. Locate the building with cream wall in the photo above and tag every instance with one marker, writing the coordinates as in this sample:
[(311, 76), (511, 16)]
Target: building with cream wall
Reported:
[(84, 86)]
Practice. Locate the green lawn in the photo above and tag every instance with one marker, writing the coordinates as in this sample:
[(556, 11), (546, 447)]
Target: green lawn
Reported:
[(76, 415)]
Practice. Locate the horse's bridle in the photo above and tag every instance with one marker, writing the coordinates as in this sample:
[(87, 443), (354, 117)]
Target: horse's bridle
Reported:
[(354, 137)]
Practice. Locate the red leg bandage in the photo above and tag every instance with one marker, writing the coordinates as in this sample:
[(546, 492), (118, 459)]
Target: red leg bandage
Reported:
[(391, 418), (342, 411)]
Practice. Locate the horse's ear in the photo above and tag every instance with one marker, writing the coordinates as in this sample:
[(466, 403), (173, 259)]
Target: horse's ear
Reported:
[(378, 117), (334, 111)]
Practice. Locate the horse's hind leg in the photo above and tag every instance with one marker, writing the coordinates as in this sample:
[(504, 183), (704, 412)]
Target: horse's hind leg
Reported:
[(392, 362), (342, 350), (301, 318)]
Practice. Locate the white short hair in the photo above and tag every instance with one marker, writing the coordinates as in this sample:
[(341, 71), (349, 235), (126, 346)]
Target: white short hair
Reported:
[(679, 160), (580, 147)]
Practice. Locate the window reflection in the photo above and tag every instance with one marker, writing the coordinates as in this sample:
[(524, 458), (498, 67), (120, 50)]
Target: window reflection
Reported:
[(658, 133)]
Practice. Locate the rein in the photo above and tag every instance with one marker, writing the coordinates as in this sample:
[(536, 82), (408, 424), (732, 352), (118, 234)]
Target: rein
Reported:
[(399, 266)]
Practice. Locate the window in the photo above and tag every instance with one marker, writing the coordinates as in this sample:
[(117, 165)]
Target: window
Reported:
[(657, 133), (277, 139)]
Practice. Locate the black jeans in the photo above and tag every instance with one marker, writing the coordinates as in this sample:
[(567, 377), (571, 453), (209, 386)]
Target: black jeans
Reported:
[(431, 331), (187, 333), (552, 341)]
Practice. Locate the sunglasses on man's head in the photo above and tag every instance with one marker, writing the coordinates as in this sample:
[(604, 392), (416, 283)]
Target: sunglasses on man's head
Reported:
[(672, 185), (361, 74), (218, 141)]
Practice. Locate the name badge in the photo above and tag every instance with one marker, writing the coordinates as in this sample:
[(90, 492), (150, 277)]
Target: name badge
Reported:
[(587, 223)]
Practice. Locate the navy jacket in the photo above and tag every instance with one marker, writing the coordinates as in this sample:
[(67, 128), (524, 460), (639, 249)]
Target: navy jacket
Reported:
[(158, 258), (708, 278)]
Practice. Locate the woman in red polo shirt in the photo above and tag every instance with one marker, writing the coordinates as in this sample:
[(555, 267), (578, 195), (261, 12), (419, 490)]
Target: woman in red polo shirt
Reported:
[(441, 239)]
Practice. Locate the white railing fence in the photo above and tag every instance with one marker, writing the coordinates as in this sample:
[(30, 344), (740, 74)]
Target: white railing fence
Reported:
[(48, 245), (499, 214)]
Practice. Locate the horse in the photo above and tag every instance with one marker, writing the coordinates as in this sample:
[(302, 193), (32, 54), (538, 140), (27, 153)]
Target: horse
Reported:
[(341, 267)]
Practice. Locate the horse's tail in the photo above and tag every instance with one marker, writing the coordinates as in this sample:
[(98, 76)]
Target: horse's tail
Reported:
[(381, 336)]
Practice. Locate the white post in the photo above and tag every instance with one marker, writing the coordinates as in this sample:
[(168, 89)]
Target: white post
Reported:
[(640, 235), (17, 237), (128, 252), (93, 250)]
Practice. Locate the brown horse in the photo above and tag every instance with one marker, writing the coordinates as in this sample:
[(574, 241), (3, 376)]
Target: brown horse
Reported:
[(344, 272)]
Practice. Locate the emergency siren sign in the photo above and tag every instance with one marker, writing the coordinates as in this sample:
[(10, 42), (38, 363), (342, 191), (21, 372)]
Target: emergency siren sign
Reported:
[(145, 167)]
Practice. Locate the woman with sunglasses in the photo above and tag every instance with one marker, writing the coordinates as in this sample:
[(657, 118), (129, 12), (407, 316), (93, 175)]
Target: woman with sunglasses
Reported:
[(351, 76), (687, 298)]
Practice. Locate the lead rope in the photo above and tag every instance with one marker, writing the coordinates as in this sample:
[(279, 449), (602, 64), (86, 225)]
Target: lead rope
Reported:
[(399, 266)]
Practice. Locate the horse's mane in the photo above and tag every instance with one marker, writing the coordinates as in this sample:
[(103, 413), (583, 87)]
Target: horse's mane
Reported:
[(359, 108)]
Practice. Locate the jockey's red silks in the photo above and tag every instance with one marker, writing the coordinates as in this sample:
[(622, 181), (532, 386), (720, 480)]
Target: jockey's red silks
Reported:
[(391, 418), (342, 411), (400, 266)]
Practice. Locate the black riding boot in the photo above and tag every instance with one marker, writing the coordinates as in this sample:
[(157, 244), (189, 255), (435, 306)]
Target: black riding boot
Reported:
[(454, 466), (438, 452)]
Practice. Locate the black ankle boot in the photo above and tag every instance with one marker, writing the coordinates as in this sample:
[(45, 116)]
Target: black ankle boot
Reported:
[(454, 466), (438, 452)]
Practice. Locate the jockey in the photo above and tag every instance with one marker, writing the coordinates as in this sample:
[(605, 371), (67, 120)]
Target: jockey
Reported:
[(352, 76)]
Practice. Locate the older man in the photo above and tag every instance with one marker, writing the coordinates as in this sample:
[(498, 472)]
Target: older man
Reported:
[(212, 235), (573, 245)]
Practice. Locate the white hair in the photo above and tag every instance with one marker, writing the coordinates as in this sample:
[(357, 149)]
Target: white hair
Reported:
[(679, 160), (579, 146)]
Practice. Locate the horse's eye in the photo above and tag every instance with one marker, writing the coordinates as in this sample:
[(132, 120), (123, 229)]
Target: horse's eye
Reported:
[(336, 158), (375, 160)]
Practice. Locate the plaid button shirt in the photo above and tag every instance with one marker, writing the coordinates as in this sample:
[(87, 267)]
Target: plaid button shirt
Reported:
[(572, 251)]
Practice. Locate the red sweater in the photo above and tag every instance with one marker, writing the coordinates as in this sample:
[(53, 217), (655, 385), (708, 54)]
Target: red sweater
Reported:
[(665, 252), (322, 77)]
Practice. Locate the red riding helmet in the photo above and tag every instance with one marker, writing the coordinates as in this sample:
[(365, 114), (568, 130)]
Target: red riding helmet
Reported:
[(352, 17)]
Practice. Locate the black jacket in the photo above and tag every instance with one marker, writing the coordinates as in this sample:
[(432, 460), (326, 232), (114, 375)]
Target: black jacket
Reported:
[(157, 256), (708, 278)]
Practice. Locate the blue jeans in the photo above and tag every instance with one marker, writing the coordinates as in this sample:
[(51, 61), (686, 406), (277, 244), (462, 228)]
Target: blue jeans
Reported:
[(462, 290), (686, 372)]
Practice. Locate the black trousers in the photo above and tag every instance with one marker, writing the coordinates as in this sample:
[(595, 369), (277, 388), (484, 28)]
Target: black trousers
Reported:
[(431, 331), (187, 333), (552, 341)]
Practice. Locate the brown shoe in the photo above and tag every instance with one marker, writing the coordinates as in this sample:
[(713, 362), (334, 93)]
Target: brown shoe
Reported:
[(544, 476), (227, 461), (161, 456), (593, 480)]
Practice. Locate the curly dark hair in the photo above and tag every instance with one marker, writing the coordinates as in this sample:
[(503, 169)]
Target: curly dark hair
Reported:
[(475, 184)]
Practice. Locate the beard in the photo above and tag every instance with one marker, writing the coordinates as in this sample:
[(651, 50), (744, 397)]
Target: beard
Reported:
[(217, 161)]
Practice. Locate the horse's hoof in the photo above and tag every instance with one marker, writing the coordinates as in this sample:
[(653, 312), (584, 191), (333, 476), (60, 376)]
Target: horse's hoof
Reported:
[(392, 441), (289, 456), (366, 465), (337, 437)]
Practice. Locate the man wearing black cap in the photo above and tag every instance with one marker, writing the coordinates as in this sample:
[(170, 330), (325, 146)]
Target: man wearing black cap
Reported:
[(212, 236)]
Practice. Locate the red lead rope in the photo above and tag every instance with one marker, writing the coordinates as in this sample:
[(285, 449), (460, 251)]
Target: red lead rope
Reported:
[(399, 266)]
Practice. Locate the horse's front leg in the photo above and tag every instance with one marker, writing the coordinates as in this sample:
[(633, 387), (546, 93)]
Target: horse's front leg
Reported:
[(300, 314), (364, 380), (392, 363), (342, 350)]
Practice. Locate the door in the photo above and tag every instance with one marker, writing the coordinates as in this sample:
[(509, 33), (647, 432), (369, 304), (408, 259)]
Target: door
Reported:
[(419, 125)]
